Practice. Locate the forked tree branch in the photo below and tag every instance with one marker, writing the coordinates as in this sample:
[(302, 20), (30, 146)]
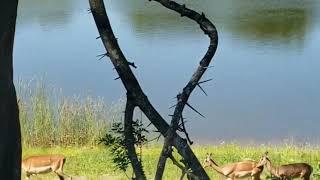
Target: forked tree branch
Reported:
[(133, 88), (182, 98)]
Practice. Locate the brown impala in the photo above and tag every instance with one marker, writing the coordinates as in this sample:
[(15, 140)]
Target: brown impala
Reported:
[(44, 164), (235, 170), (302, 170)]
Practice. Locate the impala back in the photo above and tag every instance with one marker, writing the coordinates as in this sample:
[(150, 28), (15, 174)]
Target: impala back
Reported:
[(295, 170), (42, 164)]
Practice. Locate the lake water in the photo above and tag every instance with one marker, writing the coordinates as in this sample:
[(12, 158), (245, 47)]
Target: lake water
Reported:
[(266, 70)]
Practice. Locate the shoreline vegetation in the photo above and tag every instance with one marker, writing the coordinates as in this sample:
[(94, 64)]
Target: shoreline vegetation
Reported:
[(94, 162), (48, 118), (55, 124)]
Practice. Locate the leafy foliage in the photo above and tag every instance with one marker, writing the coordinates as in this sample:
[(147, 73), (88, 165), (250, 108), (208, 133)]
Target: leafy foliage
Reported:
[(115, 141)]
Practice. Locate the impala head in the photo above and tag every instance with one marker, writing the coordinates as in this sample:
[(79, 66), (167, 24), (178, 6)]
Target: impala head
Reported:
[(264, 159), (208, 161)]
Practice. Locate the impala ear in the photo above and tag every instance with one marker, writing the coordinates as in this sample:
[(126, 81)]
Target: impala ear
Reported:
[(266, 153)]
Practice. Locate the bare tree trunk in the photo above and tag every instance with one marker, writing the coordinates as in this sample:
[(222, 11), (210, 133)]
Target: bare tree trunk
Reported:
[(10, 137)]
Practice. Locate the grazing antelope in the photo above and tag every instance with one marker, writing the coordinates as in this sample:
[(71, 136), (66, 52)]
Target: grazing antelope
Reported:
[(235, 170), (44, 164), (302, 170)]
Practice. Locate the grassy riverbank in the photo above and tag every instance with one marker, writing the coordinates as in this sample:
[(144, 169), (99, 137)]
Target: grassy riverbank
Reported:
[(52, 123), (94, 162), (49, 118)]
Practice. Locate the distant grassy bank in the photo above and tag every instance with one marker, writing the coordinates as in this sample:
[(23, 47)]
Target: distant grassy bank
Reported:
[(48, 118), (94, 162)]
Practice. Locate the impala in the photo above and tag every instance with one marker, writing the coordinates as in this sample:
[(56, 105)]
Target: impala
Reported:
[(44, 164), (302, 170), (235, 170)]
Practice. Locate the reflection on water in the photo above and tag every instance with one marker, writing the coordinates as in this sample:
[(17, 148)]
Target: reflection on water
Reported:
[(284, 25), (47, 13), (251, 20), (266, 68)]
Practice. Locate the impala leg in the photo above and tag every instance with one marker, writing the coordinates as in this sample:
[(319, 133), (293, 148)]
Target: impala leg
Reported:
[(28, 176), (62, 175), (305, 176), (256, 177), (59, 170), (283, 178)]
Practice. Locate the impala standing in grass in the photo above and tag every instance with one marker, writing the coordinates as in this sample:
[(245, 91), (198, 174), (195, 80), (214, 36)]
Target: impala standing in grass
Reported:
[(44, 164), (295, 170), (242, 169)]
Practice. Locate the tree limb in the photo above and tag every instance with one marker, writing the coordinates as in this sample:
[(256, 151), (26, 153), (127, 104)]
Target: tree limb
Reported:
[(129, 139), (132, 86), (183, 97)]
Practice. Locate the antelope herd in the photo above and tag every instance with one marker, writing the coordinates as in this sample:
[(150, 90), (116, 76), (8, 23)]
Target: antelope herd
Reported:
[(243, 169), (249, 168)]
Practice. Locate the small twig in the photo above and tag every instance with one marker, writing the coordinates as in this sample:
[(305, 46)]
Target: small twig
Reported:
[(202, 89), (149, 124), (201, 82), (156, 138), (172, 106), (180, 129), (181, 123), (185, 131), (132, 64), (126, 175), (195, 110), (103, 55), (206, 67)]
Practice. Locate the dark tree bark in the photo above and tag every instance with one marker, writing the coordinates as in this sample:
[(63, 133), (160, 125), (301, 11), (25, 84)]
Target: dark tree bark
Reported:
[(182, 98), (136, 96), (10, 137), (129, 137)]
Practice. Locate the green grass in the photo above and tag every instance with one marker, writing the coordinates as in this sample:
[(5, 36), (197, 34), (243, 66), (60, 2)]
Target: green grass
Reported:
[(71, 125), (95, 161), (48, 118)]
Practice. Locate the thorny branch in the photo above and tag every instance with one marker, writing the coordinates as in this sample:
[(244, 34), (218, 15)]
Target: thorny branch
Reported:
[(138, 98), (182, 98)]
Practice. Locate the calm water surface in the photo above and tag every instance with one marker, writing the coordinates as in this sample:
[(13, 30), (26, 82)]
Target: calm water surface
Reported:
[(266, 70)]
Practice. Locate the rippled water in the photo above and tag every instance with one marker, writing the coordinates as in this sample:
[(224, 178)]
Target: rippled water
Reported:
[(266, 70)]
